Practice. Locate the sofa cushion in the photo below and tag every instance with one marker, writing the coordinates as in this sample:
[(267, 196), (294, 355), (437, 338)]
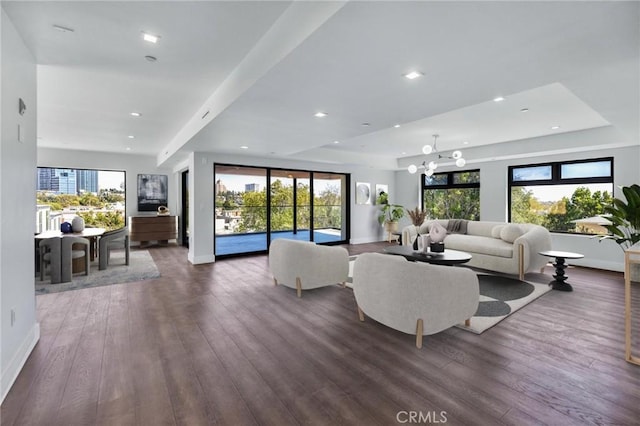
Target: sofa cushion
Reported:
[(511, 232), (495, 231), (476, 244)]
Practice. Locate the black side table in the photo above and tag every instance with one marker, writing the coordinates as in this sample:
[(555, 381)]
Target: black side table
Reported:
[(560, 265)]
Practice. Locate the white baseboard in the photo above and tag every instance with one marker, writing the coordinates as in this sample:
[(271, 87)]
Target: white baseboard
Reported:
[(366, 240), (10, 374), (607, 265), (197, 260)]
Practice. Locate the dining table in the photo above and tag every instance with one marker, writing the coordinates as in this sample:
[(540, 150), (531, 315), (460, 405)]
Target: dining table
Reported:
[(92, 234)]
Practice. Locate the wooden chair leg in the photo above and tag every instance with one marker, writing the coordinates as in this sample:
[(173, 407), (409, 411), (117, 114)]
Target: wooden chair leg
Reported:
[(275, 282), (343, 284), (542, 270), (299, 286), (419, 330), (521, 262), (360, 314), (467, 322)]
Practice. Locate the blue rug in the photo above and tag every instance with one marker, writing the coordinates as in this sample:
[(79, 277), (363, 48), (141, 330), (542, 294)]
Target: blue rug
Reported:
[(141, 267)]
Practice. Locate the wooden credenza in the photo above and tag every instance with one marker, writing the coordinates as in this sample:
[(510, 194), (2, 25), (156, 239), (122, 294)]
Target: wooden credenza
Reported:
[(153, 228)]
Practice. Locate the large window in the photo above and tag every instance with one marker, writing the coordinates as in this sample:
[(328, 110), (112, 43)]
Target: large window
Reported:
[(255, 205), (562, 196), (454, 195), (98, 196)]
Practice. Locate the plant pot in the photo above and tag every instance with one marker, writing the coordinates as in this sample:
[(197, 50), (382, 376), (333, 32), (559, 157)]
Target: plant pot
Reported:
[(391, 226)]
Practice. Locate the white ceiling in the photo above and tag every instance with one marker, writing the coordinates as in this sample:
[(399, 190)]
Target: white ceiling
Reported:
[(573, 64)]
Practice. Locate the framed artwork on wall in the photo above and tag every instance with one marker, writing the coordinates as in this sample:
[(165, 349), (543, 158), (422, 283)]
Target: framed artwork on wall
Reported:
[(152, 192), (380, 188), (363, 193)]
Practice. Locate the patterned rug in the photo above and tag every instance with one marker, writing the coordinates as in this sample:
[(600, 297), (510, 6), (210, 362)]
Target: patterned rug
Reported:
[(141, 267), (500, 296)]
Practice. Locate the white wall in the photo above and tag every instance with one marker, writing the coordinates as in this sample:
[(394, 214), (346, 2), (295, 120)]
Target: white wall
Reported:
[(494, 184), (130, 163), (17, 204), (364, 225)]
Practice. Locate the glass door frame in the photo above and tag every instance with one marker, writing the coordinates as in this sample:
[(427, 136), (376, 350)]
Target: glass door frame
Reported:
[(345, 198)]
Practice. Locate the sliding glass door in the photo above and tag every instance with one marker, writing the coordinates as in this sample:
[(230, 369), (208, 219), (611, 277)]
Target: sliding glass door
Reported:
[(290, 204), (329, 207), (240, 209), (254, 206)]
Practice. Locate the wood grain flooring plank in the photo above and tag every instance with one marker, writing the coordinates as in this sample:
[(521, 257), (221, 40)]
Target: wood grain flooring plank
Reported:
[(219, 344)]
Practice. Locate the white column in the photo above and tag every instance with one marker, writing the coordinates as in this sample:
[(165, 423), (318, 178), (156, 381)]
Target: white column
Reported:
[(201, 212)]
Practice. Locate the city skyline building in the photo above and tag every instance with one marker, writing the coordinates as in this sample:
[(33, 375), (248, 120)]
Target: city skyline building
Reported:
[(87, 181), (252, 187)]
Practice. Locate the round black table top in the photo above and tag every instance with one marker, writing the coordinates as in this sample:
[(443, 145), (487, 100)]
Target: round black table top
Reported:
[(448, 257), (561, 254)]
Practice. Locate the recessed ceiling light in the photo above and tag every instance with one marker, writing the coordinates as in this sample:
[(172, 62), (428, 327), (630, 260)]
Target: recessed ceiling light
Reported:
[(336, 142), (244, 147), (128, 148), (413, 75), (150, 38), (131, 137), (465, 143), (524, 110), (555, 127), (402, 153), (151, 58), (396, 125), (320, 114), (63, 29), (136, 114), (498, 99)]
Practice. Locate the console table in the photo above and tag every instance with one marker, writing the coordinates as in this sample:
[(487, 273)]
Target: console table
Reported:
[(631, 268), (153, 228)]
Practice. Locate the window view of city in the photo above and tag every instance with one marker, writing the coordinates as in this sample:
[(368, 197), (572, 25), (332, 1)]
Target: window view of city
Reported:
[(98, 196), (244, 216)]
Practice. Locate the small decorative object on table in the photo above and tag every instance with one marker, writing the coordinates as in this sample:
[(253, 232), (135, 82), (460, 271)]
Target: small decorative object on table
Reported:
[(424, 241), (65, 228), (417, 217), (77, 224), (437, 234), (163, 211)]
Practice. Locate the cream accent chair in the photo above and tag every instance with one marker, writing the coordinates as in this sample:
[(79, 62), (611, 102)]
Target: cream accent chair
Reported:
[(414, 297), (304, 265)]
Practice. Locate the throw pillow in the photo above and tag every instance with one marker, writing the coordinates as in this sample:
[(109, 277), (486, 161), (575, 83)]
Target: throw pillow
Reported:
[(510, 232), (495, 231)]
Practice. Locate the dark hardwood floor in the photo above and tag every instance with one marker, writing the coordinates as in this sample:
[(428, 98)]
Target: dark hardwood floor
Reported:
[(219, 344)]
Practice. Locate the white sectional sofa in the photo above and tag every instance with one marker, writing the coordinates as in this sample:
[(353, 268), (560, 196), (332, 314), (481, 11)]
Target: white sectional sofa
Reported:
[(495, 246), (413, 297)]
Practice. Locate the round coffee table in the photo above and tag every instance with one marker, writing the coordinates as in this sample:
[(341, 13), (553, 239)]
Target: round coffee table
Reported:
[(560, 265), (448, 257)]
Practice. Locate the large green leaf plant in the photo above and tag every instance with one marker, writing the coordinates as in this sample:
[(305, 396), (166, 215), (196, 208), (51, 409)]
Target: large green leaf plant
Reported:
[(625, 218)]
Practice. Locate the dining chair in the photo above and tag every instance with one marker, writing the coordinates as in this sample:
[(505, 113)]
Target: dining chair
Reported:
[(118, 238), (73, 248), (49, 254)]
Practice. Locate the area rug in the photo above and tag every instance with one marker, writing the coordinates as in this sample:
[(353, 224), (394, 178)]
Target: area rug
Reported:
[(500, 296), (141, 267)]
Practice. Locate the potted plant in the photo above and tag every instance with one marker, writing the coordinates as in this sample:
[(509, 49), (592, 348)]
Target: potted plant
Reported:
[(390, 214), (625, 222), (624, 218)]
